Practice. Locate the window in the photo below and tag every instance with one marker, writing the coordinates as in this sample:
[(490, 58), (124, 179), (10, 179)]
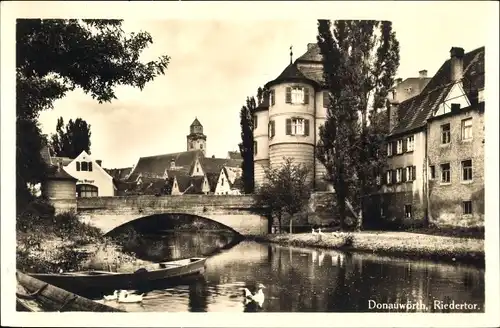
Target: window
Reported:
[(410, 173), (271, 129), (201, 146), (407, 211), (378, 179), (389, 177), (445, 173), (467, 207), (432, 172), (467, 129), (399, 174), (297, 126), (326, 99), (480, 95), (84, 166), (78, 166), (297, 95), (445, 133), (90, 166), (255, 121), (271, 97), (222, 181), (409, 143), (84, 190), (197, 169), (400, 147), (389, 149), (255, 148), (467, 170)]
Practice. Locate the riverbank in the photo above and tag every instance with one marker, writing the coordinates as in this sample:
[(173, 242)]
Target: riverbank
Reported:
[(401, 244), (49, 243)]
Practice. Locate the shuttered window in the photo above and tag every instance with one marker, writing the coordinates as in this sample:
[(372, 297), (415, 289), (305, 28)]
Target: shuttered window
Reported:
[(90, 166), (297, 126), (78, 166), (288, 97), (326, 99), (271, 129)]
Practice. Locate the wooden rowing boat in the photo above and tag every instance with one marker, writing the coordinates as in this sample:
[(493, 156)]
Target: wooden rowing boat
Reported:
[(34, 295), (106, 280)]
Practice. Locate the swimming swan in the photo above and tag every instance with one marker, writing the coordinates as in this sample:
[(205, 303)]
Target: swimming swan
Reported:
[(126, 297), (112, 297), (258, 297)]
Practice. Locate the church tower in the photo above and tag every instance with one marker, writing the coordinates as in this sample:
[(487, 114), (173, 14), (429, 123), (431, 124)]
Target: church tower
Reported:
[(196, 139)]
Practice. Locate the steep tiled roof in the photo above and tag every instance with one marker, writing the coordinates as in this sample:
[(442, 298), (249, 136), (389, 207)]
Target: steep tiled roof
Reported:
[(45, 152), (264, 105), (183, 182), (414, 112), (290, 74), (233, 173), (237, 184), (64, 160), (215, 165), (212, 180), (196, 122), (234, 155), (197, 183), (60, 174), (313, 54), (154, 166), (119, 174)]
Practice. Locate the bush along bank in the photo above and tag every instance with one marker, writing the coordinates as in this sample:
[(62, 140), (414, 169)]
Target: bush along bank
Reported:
[(400, 244), (47, 242)]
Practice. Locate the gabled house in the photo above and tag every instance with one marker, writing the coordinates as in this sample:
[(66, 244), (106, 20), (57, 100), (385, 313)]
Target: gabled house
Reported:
[(93, 180), (405, 184), (229, 181)]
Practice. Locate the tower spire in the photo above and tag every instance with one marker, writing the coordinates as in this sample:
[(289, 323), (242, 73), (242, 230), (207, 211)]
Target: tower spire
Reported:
[(291, 54)]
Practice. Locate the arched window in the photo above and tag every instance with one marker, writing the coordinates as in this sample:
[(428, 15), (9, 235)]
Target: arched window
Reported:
[(85, 190)]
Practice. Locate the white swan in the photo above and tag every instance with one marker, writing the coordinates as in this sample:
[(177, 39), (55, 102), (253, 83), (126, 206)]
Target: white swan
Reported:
[(258, 297), (313, 232), (319, 232), (126, 297), (112, 297)]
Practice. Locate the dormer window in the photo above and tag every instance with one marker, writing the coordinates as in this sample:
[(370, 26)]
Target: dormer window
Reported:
[(84, 166)]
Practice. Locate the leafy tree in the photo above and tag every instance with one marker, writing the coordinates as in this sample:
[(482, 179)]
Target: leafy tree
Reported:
[(286, 190), (71, 140), (360, 60), (54, 56)]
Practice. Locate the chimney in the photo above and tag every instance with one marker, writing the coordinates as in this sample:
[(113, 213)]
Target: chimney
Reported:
[(422, 74), (99, 162), (457, 63), (213, 156), (310, 46)]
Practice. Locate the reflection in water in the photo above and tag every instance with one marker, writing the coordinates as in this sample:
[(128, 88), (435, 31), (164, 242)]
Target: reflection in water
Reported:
[(303, 280)]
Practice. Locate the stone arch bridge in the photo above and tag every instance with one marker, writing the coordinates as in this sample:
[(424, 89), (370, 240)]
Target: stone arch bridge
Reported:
[(236, 212)]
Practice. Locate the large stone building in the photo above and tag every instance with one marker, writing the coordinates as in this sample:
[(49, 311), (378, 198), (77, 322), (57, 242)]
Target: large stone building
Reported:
[(435, 148), (287, 122)]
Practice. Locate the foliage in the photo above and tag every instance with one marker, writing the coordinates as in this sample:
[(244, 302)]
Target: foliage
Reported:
[(55, 56), (72, 139), (360, 60), (286, 190)]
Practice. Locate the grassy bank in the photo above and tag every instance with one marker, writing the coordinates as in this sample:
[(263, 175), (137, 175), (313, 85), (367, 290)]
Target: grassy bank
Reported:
[(401, 244), (47, 243)]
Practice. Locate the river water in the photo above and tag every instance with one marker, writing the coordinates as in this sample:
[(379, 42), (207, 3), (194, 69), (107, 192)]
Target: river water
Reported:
[(303, 279)]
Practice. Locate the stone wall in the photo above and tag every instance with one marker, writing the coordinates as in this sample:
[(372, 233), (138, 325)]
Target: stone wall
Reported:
[(236, 212), (446, 199)]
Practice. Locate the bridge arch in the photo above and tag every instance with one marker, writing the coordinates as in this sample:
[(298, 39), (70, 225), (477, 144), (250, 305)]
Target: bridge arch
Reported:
[(163, 221), (236, 212)]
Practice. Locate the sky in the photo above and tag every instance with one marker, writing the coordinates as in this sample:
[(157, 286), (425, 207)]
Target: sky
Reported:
[(215, 64)]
